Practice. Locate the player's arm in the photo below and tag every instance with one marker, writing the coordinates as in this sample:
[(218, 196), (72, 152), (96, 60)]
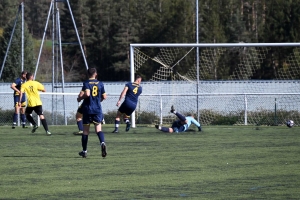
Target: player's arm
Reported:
[(21, 95), (103, 94), (122, 95), (41, 88), (83, 94), (13, 86), (103, 97), (197, 124)]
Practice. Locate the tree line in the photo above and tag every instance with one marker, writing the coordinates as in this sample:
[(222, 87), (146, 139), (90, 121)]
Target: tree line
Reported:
[(107, 27)]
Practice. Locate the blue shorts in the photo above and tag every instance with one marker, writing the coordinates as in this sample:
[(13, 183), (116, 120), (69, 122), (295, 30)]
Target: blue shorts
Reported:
[(23, 101), (127, 108), (178, 127), (92, 118)]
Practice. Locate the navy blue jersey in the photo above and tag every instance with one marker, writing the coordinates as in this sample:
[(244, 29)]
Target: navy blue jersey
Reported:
[(18, 82), (92, 104), (133, 92)]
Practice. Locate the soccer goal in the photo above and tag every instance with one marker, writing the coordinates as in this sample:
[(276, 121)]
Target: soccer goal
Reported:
[(219, 83)]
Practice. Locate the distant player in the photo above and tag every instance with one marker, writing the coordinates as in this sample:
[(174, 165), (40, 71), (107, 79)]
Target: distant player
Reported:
[(131, 92), (180, 125), (16, 86), (32, 88), (93, 95)]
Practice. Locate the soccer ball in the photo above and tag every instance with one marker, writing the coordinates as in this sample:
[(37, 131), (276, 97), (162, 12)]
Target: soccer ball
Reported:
[(290, 123)]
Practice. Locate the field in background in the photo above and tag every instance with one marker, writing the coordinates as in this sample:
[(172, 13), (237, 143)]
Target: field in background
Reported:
[(232, 162)]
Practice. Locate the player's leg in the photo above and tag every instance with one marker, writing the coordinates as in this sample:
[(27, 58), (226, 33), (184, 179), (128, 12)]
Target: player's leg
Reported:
[(98, 130), (85, 135), (180, 116), (164, 129), (22, 113), (39, 112), (127, 121), (79, 122), (16, 112), (128, 110), (117, 121), (28, 112)]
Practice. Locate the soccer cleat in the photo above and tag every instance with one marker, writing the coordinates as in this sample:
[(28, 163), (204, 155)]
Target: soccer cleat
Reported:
[(115, 131), (128, 124), (103, 149), (172, 109), (24, 126), (199, 128), (83, 154), (34, 128), (156, 126), (48, 133), (14, 126), (78, 133)]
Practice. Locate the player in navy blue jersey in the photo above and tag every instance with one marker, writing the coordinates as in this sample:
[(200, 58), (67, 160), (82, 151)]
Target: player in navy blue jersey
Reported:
[(93, 94), (131, 92), (180, 125), (79, 118), (16, 86)]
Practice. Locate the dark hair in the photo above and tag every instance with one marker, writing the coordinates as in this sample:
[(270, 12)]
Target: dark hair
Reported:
[(28, 75), (23, 72), (91, 71), (137, 76)]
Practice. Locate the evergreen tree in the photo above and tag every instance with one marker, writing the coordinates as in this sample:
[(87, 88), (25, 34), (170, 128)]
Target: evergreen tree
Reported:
[(99, 55), (74, 59), (8, 11), (36, 16), (12, 67)]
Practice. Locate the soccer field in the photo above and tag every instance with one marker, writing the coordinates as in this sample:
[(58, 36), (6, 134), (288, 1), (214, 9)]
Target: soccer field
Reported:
[(233, 162)]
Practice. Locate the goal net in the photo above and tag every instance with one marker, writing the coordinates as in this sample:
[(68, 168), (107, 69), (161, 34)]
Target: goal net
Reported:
[(242, 83)]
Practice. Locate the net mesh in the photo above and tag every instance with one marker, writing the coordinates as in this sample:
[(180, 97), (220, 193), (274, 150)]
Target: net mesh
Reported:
[(233, 69)]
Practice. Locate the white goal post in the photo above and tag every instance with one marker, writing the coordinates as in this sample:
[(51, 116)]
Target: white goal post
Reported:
[(251, 56)]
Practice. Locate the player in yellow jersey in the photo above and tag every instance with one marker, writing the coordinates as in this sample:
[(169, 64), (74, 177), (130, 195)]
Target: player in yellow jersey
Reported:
[(34, 103)]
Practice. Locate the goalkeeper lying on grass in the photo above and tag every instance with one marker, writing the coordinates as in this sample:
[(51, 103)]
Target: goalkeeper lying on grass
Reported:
[(180, 125)]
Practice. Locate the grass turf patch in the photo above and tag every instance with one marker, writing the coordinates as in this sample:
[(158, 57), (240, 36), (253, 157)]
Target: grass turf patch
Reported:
[(222, 162)]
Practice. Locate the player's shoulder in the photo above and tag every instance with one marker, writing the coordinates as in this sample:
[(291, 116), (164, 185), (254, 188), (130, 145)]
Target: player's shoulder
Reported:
[(17, 80), (189, 118)]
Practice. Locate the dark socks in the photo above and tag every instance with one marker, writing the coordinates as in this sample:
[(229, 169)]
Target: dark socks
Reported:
[(23, 118), (45, 125), (117, 123), (15, 118), (126, 120), (84, 141), (80, 125), (101, 137), (30, 119)]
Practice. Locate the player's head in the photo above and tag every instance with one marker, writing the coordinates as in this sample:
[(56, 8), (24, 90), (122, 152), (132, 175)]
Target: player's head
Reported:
[(190, 115), (138, 78), (29, 76), (92, 72), (23, 74)]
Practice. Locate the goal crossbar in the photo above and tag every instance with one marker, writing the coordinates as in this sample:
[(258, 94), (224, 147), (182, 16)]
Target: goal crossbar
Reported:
[(215, 44)]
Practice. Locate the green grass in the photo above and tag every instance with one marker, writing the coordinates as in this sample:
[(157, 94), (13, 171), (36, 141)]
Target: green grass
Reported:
[(219, 163)]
